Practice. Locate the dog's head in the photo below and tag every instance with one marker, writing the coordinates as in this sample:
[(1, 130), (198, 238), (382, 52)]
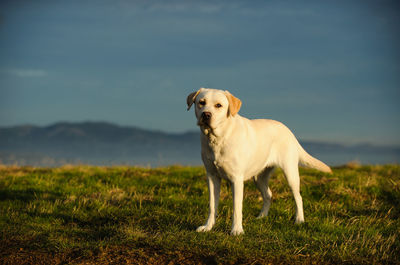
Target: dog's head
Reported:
[(213, 107)]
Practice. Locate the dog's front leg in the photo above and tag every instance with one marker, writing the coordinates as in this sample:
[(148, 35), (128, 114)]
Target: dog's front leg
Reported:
[(214, 186), (237, 191)]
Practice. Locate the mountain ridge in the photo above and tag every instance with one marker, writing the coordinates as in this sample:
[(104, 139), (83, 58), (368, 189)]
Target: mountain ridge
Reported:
[(108, 143)]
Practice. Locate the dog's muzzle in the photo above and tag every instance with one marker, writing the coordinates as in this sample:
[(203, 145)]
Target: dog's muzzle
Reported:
[(206, 117)]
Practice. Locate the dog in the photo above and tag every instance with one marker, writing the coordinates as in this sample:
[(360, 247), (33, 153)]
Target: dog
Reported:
[(238, 149)]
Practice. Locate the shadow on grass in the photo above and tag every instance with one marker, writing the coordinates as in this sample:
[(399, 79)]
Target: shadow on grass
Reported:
[(28, 195), (91, 225)]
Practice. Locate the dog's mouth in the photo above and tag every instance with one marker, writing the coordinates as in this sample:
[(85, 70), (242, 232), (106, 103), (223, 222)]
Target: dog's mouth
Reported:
[(203, 123), (205, 127)]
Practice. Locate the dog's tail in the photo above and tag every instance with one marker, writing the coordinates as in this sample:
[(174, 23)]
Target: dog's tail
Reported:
[(307, 160)]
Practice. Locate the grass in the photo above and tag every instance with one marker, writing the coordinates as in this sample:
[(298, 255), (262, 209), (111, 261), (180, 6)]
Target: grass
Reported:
[(98, 215)]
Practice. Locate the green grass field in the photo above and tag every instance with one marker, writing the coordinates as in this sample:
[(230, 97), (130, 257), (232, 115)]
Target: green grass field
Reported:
[(97, 215)]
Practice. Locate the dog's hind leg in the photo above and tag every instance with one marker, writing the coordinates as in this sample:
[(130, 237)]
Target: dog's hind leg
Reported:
[(261, 182), (291, 171)]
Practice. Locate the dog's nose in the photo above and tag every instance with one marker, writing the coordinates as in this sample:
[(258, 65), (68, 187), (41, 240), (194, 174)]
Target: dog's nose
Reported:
[(206, 116)]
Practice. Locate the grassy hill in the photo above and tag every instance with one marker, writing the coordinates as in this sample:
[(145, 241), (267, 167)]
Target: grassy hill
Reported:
[(100, 215)]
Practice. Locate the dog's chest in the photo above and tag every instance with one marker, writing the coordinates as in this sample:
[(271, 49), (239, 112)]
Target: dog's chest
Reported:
[(216, 157)]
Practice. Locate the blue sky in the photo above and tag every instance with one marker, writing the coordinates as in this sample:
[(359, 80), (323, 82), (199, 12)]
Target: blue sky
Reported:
[(330, 70)]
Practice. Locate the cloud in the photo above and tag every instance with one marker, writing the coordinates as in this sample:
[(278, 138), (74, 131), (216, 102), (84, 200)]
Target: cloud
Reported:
[(180, 6), (26, 73), (209, 7)]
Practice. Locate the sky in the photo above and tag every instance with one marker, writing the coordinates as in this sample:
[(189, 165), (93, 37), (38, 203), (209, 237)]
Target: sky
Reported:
[(329, 70)]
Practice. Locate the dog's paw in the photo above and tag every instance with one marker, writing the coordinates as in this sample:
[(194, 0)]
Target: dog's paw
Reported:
[(237, 231), (262, 215), (203, 228)]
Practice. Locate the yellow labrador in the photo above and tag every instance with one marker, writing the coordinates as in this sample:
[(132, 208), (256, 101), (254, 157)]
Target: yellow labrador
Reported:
[(238, 149)]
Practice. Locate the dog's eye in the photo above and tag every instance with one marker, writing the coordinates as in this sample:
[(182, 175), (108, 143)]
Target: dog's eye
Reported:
[(218, 105), (202, 103)]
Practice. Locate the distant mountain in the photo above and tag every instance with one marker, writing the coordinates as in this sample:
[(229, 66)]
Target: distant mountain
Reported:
[(103, 143), (96, 143)]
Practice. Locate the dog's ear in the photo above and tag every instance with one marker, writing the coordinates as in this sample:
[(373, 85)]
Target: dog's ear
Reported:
[(191, 98), (234, 103)]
